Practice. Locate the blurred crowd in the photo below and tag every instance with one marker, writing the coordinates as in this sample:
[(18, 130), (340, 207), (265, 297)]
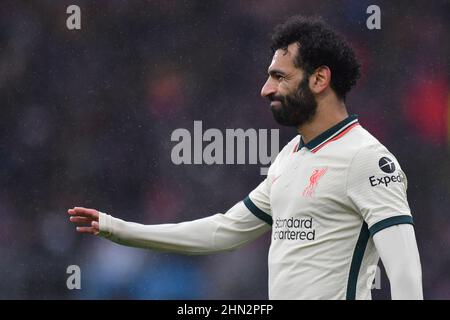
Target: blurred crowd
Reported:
[(87, 115)]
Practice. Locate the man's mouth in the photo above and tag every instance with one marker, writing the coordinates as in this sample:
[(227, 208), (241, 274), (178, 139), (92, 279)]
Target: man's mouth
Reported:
[(275, 104)]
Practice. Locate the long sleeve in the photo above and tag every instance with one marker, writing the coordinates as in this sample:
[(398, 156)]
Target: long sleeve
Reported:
[(398, 250), (216, 233)]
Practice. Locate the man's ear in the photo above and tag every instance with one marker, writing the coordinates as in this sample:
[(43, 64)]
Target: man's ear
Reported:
[(320, 79)]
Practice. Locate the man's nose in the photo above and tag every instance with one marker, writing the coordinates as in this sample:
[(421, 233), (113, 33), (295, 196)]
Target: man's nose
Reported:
[(268, 89)]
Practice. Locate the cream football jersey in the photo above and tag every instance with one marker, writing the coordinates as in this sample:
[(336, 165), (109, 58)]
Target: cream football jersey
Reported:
[(325, 200)]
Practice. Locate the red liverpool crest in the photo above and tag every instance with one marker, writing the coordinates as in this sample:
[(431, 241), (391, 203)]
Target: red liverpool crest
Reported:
[(313, 180)]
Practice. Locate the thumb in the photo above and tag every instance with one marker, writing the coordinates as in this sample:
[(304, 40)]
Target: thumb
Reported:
[(95, 225)]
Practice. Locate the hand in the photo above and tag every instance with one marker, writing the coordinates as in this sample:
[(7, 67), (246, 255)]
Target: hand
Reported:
[(80, 216)]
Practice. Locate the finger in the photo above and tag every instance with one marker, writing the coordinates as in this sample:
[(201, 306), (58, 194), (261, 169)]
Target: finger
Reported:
[(84, 212), (95, 225), (80, 220), (87, 230)]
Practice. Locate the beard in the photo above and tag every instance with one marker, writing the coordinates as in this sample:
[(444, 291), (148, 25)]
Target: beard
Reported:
[(297, 108)]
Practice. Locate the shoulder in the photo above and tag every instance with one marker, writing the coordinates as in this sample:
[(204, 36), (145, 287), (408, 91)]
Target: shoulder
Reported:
[(291, 146), (367, 154), (288, 149), (360, 143)]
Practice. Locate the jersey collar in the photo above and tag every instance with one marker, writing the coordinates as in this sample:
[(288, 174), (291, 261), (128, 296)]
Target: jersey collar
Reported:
[(333, 132)]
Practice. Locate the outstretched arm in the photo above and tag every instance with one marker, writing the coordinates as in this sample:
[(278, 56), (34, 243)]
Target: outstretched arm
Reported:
[(220, 232), (397, 248)]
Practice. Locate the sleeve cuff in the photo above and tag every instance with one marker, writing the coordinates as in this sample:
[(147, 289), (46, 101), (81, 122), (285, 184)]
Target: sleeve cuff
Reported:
[(392, 221), (257, 211), (105, 225)]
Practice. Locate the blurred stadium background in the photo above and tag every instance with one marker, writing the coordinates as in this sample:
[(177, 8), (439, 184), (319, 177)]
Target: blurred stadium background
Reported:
[(86, 118)]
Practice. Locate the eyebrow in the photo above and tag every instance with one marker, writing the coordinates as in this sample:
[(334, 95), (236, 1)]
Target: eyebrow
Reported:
[(276, 71)]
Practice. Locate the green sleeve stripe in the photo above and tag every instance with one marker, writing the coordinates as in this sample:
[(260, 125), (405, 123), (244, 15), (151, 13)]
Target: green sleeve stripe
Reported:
[(386, 223), (357, 259), (257, 211)]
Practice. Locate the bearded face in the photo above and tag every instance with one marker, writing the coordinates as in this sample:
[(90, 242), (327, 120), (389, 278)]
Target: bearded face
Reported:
[(295, 108)]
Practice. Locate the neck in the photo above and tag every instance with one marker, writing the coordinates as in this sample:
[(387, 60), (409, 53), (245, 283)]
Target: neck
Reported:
[(327, 115)]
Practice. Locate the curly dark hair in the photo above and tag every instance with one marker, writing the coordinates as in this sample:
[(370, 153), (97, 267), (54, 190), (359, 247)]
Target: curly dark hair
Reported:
[(319, 46)]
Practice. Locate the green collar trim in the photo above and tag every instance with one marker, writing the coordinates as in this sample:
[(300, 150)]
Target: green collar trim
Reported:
[(329, 133)]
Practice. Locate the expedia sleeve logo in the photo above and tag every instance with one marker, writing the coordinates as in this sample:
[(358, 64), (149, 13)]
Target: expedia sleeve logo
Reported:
[(388, 166)]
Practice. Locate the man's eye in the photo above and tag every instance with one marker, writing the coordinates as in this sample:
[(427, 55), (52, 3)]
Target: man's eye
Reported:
[(279, 77)]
